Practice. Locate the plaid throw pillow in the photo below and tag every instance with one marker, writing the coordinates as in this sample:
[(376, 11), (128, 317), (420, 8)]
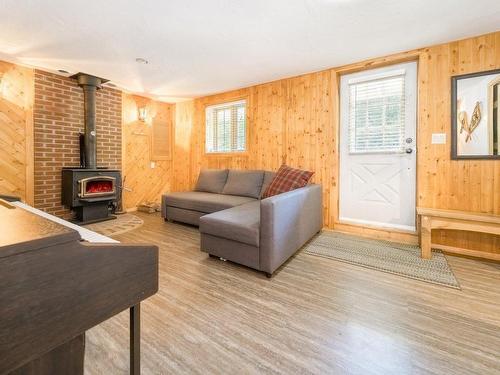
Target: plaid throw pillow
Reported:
[(287, 179)]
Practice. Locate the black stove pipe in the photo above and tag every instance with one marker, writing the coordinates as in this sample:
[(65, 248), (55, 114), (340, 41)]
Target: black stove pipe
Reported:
[(90, 84), (81, 139)]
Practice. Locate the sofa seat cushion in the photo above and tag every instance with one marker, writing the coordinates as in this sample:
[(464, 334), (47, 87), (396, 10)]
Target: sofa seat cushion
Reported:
[(204, 202), (241, 223)]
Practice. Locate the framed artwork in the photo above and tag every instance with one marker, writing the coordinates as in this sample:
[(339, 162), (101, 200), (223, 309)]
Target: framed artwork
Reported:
[(475, 115)]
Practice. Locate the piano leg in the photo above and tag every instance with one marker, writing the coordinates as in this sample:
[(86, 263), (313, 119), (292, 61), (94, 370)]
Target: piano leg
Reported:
[(135, 339)]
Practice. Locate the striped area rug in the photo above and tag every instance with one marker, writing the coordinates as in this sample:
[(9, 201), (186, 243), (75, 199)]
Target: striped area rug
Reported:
[(395, 258)]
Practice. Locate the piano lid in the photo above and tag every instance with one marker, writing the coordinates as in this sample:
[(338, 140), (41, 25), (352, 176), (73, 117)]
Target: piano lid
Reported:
[(85, 234), (22, 231)]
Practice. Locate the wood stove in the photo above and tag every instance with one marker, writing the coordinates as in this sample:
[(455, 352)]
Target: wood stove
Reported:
[(90, 191)]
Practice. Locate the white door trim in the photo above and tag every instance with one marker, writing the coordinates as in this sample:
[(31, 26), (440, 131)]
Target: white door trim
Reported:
[(411, 111)]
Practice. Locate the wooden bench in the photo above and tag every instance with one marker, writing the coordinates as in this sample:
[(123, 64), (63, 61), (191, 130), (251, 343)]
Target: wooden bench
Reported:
[(433, 218)]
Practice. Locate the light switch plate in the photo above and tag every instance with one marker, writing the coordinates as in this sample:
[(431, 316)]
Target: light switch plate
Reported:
[(153, 164), (438, 138)]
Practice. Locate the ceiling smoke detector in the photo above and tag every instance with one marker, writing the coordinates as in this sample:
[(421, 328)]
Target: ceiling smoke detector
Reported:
[(140, 60)]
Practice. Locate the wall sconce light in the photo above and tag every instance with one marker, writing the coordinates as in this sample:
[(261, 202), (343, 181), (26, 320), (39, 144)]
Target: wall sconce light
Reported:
[(142, 114)]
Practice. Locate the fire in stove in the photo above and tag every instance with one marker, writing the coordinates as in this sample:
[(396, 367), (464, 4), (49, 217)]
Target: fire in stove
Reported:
[(96, 186)]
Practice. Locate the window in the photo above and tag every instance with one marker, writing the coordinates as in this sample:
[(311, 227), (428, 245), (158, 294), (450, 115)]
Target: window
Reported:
[(226, 127), (377, 113)]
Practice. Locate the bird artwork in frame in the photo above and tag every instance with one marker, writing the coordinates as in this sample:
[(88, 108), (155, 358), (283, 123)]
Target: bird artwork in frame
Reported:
[(467, 126), (475, 115)]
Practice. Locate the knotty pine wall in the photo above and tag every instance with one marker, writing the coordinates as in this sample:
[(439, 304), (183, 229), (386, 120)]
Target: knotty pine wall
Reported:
[(146, 183), (296, 121), (471, 185), (184, 113), (16, 131)]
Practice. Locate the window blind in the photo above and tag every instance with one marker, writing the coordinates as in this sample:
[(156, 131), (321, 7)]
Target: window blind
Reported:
[(226, 127), (377, 113)]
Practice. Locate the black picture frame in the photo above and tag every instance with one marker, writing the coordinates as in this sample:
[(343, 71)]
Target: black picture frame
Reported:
[(454, 82)]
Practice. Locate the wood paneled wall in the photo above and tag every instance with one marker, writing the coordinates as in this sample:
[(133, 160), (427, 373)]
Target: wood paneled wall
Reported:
[(16, 131), (290, 121), (182, 146), (470, 185), (146, 183), (296, 121)]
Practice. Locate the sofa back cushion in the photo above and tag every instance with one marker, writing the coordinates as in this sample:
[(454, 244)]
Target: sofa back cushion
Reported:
[(268, 178), (287, 179), (244, 183), (211, 180)]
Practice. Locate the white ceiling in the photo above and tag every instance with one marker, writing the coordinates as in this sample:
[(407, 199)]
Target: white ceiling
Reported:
[(199, 47)]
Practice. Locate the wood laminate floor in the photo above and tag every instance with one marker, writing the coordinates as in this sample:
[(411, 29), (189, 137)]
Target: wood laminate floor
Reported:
[(316, 316)]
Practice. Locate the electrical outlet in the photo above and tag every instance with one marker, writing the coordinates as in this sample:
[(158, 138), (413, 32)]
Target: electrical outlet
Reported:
[(438, 138)]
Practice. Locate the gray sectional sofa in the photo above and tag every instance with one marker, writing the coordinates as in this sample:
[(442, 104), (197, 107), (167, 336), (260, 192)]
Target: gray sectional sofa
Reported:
[(237, 225)]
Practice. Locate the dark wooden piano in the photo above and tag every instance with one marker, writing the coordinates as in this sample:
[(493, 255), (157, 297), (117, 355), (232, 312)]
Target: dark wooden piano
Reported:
[(54, 287)]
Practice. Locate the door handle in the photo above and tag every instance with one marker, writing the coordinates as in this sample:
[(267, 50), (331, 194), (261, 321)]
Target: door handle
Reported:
[(409, 150)]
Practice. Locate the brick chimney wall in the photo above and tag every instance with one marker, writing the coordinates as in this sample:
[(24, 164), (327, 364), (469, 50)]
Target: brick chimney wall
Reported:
[(58, 119)]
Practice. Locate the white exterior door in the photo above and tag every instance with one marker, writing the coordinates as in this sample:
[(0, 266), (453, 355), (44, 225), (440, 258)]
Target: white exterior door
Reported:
[(378, 147)]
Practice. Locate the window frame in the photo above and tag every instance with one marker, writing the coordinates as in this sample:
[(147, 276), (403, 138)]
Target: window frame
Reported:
[(247, 127), (398, 72)]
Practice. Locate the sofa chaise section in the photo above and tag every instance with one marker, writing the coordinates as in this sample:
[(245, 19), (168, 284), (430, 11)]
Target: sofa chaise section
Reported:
[(233, 234), (265, 233)]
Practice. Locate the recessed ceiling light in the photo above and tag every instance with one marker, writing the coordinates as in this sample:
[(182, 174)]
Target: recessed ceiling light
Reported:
[(140, 60), (62, 71)]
